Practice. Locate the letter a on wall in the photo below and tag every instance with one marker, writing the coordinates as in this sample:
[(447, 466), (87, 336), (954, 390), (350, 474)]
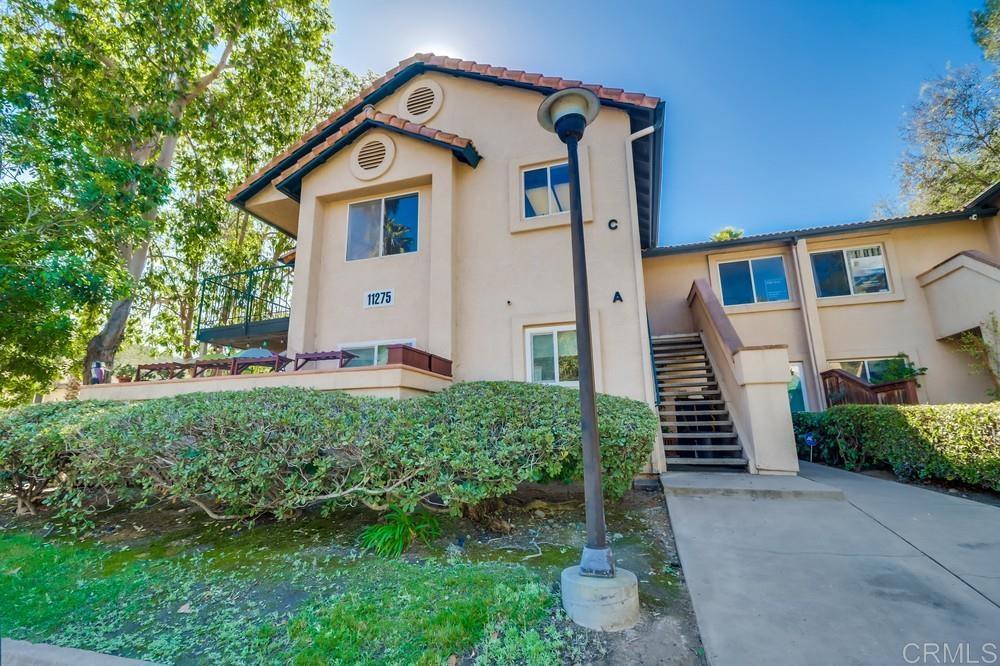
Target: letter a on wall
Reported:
[(618, 298)]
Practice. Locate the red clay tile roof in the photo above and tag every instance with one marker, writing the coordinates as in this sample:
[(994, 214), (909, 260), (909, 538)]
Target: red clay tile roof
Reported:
[(611, 95), (389, 121)]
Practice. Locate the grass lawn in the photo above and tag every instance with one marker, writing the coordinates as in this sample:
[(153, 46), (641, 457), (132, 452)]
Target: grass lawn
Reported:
[(169, 586)]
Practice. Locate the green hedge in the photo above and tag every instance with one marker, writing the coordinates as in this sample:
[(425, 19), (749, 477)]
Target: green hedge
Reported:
[(951, 442), (242, 454)]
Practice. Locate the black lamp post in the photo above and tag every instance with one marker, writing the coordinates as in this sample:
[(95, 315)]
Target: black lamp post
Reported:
[(567, 113)]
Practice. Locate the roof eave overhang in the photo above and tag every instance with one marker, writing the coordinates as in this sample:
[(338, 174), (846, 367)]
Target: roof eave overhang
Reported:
[(241, 205), (791, 236), (291, 185), (651, 116)]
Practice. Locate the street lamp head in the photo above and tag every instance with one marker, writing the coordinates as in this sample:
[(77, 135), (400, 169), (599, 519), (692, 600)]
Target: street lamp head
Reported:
[(568, 112)]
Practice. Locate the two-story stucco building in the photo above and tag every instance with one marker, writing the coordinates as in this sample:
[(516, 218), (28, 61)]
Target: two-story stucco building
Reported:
[(432, 246)]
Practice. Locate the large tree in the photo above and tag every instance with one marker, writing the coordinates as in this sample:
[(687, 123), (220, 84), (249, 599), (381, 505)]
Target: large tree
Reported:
[(52, 278), (953, 130), (103, 95), (202, 234)]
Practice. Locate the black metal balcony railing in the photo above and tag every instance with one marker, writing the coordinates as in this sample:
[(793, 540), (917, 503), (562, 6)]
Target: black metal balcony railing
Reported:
[(247, 306)]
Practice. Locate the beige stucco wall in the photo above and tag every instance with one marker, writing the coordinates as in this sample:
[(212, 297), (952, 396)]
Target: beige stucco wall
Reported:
[(852, 327), (961, 294), (481, 274)]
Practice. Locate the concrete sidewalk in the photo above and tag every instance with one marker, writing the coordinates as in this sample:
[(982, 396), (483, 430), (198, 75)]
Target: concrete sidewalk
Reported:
[(805, 578)]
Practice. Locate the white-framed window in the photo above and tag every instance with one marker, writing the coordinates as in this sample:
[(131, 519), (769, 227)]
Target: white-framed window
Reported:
[(757, 280), (798, 395), (849, 271), (551, 355), (545, 189), (381, 227), (371, 353), (874, 371)]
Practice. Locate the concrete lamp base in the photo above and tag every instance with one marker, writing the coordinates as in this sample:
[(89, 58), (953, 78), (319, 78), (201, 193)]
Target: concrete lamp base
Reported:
[(604, 604)]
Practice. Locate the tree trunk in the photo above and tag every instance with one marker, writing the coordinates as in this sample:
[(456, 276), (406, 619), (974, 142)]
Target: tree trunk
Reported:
[(103, 346)]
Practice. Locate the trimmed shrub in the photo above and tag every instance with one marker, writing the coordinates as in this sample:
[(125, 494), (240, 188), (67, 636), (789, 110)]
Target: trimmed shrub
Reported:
[(950, 442), (242, 454), (38, 443)]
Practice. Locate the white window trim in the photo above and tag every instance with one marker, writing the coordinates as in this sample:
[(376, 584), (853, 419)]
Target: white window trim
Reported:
[(553, 330), (548, 189), (376, 344), (850, 278), (381, 226), (753, 284)]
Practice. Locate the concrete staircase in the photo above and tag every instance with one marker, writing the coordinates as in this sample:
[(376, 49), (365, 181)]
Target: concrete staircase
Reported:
[(697, 429)]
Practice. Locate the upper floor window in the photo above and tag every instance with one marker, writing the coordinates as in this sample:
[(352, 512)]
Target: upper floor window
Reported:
[(546, 190), (552, 356), (382, 227), (859, 270), (758, 280)]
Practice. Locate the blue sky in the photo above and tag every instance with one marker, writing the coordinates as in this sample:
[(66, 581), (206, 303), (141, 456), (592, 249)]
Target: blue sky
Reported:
[(780, 113)]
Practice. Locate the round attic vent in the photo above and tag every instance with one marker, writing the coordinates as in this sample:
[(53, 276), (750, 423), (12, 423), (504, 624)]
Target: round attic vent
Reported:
[(421, 101), (372, 156)]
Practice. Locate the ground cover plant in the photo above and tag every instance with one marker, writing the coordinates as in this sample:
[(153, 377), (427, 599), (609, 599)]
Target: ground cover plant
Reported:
[(947, 442), (170, 585), (278, 451)]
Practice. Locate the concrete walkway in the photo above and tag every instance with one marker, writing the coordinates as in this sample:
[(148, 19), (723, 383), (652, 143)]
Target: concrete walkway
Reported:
[(787, 573), (23, 653)]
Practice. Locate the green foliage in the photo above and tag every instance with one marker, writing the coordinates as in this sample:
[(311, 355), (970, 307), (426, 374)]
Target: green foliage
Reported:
[(397, 531), (422, 614), (242, 454), (983, 345), (49, 278), (126, 370), (726, 233), (122, 124), (951, 442), (900, 367), (269, 598), (37, 444)]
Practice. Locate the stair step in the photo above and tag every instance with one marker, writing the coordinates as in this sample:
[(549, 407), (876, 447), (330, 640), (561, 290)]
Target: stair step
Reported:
[(680, 357), (694, 412), (696, 424), (686, 347), (697, 403), (675, 394), (677, 362), (727, 462), (670, 448), (685, 373), (679, 336), (699, 435), (671, 353), (708, 382)]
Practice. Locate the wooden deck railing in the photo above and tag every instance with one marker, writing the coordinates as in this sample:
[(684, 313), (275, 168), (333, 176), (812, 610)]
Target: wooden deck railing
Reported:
[(843, 388)]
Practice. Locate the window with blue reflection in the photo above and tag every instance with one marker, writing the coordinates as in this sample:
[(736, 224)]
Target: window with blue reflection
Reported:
[(546, 190), (760, 280)]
